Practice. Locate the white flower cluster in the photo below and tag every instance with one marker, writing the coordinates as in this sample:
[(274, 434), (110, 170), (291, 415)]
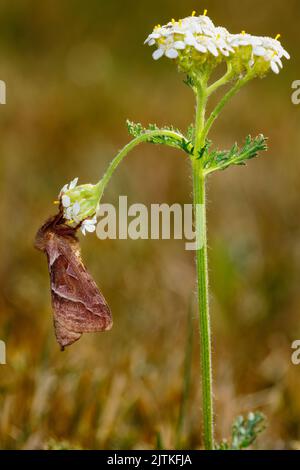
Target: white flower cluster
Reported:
[(72, 209), (269, 49), (198, 33)]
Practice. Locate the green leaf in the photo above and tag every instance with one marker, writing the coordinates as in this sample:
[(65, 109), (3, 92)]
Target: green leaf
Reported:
[(244, 432), (220, 160), (190, 133), (189, 81), (135, 128), (180, 141)]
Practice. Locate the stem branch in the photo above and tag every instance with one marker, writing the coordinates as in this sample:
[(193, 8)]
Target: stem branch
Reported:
[(221, 82), (130, 146), (215, 113)]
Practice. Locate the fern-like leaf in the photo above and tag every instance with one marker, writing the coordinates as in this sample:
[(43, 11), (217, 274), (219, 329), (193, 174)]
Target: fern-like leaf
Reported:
[(179, 142), (220, 160), (244, 432)]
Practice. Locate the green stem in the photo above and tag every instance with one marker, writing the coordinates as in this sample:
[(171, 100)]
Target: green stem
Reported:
[(221, 82), (125, 150), (187, 369), (200, 118), (215, 113), (202, 274), (204, 318), (202, 129)]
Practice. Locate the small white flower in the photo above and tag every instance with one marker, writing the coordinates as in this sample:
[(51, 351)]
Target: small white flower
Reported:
[(176, 38), (244, 39), (168, 48), (89, 225), (198, 32), (152, 38), (274, 53), (269, 49)]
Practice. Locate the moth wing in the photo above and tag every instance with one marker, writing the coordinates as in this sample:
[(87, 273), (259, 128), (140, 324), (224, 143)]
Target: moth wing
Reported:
[(64, 336), (79, 307)]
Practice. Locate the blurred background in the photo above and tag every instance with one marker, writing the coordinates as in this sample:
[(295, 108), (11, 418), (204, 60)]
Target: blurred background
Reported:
[(74, 72)]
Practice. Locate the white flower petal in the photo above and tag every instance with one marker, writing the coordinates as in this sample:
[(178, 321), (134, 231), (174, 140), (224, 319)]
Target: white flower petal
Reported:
[(224, 52), (212, 48), (76, 208), (66, 201), (153, 36), (259, 51), (64, 189), (158, 54), (166, 32), (177, 30), (244, 42), (189, 39), (69, 213), (208, 32), (278, 61), (73, 183), (171, 53), (275, 67), (199, 47), (256, 41), (179, 45), (90, 228)]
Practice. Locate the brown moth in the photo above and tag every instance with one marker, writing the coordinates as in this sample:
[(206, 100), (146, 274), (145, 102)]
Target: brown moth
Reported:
[(78, 305)]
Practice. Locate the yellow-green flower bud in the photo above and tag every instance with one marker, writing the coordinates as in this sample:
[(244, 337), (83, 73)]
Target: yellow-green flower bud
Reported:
[(80, 204)]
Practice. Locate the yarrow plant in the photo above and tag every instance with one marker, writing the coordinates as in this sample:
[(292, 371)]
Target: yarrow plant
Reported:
[(197, 47)]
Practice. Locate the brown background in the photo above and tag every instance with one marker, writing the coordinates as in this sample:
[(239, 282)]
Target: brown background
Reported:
[(74, 72)]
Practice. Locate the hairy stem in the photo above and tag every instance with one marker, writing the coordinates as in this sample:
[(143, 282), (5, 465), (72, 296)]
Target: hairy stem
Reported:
[(187, 369), (201, 97), (125, 150), (202, 274), (221, 82)]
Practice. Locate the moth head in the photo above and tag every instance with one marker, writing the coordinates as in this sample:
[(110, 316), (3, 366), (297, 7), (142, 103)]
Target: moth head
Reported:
[(52, 227)]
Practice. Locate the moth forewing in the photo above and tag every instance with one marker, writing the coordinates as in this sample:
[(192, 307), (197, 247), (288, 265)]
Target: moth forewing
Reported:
[(78, 305)]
